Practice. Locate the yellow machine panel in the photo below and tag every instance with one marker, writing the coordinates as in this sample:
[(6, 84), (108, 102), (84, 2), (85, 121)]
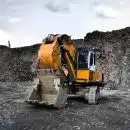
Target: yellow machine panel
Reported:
[(89, 75), (83, 74), (98, 76)]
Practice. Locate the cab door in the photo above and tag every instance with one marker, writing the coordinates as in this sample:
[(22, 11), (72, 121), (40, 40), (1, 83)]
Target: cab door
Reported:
[(91, 61)]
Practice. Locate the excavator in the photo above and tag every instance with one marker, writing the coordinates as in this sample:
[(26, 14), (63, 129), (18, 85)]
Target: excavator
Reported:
[(64, 69)]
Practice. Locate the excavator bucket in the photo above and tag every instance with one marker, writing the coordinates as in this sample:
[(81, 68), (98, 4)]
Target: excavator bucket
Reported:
[(49, 91)]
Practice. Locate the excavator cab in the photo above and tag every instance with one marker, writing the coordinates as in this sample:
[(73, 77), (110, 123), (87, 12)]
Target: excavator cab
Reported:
[(85, 59)]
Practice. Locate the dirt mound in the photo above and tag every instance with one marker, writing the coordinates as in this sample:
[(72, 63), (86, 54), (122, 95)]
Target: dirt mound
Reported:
[(113, 58), (17, 64), (113, 55)]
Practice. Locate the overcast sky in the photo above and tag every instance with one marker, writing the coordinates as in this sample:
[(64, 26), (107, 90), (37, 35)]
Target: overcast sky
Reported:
[(25, 22)]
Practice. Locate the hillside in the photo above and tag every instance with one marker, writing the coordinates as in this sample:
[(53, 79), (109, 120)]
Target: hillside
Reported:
[(113, 58)]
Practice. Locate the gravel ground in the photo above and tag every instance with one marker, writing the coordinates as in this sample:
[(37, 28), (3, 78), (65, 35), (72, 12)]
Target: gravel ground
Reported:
[(113, 112)]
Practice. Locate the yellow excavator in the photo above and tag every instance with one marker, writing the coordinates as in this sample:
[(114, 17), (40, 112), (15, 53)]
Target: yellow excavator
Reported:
[(64, 69)]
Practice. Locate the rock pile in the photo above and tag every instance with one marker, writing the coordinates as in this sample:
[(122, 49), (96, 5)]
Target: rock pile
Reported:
[(113, 58), (17, 64), (113, 55)]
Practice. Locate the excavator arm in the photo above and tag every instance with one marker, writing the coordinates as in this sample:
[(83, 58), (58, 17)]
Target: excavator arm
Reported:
[(70, 63)]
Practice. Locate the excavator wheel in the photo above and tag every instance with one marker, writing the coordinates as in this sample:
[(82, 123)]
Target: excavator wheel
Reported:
[(92, 95), (50, 91)]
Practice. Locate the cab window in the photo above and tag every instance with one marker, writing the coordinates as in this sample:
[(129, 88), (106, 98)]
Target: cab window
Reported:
[(91, 59)]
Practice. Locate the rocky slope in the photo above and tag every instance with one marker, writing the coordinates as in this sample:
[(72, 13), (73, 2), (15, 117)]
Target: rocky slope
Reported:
[(16, 64), (113, 58)]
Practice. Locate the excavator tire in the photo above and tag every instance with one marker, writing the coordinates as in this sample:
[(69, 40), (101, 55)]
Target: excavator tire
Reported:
[(50, 90), (93, 95)]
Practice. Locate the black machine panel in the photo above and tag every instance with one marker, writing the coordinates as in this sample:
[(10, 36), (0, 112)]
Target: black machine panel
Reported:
[(82, 58)]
